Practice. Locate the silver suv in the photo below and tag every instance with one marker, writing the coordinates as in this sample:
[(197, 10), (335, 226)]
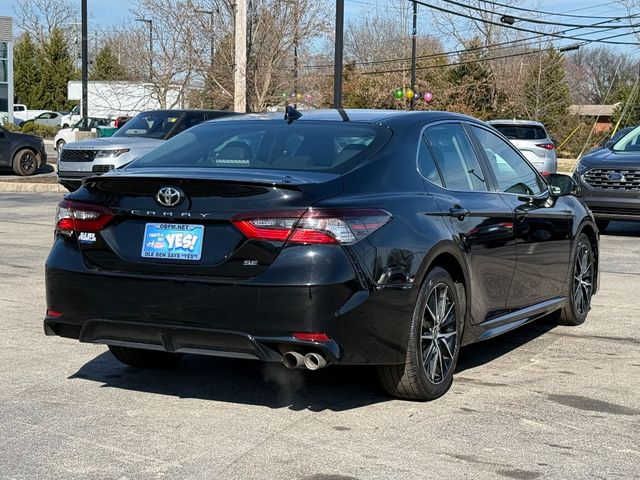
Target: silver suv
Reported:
[(533, 141), (142, 133)]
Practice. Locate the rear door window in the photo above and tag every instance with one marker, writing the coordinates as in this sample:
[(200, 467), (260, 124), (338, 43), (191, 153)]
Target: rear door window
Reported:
[(521, 132), (456, 159)]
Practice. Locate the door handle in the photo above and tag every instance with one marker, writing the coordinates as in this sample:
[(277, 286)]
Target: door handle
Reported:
[(521, 213), (458, 212)]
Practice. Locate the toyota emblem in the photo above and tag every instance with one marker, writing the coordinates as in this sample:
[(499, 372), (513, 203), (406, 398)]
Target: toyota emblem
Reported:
[(169, 196)]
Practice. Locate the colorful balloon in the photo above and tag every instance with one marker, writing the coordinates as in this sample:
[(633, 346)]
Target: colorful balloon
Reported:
[(428, 96), (398, 93), (408, 93)]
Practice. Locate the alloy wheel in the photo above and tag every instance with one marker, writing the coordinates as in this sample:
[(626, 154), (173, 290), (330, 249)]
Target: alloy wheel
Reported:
[(438, 337), (582, 280), (28, 163)]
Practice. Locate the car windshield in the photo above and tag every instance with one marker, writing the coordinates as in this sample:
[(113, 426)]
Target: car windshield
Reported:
[(150, 125), (304, 145), (521, 132), (629, 143)]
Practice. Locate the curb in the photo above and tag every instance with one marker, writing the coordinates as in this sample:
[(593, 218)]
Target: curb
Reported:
[(24, 187)]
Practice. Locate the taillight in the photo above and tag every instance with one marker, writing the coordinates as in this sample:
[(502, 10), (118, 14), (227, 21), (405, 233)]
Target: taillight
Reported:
[(329, 226), (546, 146), (81, 217)]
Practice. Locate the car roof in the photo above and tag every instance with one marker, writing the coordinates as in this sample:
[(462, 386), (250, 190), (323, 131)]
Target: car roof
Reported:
[(353, 115), (513, 121)]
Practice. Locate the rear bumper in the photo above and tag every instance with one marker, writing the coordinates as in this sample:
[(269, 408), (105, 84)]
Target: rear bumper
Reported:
[(253, 319)]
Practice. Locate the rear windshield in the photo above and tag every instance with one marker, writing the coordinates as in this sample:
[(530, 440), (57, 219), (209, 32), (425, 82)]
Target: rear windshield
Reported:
[(629, 143), (150, 125), (269, 144), (521, 132)]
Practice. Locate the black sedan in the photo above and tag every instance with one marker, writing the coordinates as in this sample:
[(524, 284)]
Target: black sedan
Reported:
[(22, 153), (366, 237)]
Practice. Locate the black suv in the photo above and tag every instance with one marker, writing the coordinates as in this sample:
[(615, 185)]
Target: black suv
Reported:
[(610, 180), (23, 153)]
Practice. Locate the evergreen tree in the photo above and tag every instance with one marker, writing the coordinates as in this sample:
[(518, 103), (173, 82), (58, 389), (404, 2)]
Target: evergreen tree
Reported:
[(627, 112), (26, 70), (473, 88), (106, 67), (57, 70), (546, 91)]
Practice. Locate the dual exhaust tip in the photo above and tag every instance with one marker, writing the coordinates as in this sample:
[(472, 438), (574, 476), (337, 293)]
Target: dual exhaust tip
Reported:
[(311, 361)]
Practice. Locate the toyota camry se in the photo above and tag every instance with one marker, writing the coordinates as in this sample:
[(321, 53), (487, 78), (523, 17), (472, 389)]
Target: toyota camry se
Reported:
[(337, 237)]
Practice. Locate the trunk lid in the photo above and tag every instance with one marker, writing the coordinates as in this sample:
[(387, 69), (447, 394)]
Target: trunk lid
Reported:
[(211, 199)]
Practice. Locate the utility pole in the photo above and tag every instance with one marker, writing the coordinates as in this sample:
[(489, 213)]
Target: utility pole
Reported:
[(212, 39), (295, 54), (414, 40), (85, 69), (338, 55), (240, 73)]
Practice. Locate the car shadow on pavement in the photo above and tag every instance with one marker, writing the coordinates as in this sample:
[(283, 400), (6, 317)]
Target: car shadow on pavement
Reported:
[(478, 354), (274, 386), (622, 229), (45, 169), (245, 382)]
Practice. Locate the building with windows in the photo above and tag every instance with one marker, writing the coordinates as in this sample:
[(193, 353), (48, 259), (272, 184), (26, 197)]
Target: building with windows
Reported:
[(6, 69)]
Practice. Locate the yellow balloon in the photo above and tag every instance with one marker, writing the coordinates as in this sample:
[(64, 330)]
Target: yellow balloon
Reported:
[(408, 93)]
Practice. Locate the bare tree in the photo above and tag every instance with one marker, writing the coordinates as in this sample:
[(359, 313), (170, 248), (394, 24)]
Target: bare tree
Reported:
[(41, 17)]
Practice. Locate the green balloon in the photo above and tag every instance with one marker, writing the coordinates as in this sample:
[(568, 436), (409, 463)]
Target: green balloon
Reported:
[(398, 93)]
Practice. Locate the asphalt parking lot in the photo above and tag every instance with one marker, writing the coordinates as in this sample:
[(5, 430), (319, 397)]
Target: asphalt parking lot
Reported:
[(541, 402)]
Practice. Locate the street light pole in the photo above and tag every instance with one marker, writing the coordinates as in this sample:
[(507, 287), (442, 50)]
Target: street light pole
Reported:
[(210, 13), (338, 55), (414, 39), (150, 23)]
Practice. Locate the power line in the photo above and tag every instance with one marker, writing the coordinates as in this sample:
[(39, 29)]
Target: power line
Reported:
[(494, 46), (550, 34), (531, 20), (559, 14)]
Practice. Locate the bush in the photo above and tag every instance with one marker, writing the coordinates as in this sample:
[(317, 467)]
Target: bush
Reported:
[(38, 130)]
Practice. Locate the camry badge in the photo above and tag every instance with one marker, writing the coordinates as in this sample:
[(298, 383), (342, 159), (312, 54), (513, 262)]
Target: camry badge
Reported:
[(169, 196), (616, 177)]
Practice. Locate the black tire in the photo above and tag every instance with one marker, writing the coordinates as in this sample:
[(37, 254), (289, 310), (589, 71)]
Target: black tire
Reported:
[(414, 380), (602, 225), (580, 284), (59, 145), (66, 125), (139, 358), (25, 162)]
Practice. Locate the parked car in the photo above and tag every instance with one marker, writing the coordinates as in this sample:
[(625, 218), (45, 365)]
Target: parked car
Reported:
[(532, 139), (49, 119), (607, 142), (348, 237), (71, 118), (21, 152), (145, 131), (67, 135), (609, 180), (21, 113)]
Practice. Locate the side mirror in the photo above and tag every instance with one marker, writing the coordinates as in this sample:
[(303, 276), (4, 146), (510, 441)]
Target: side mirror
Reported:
[(561, 185)]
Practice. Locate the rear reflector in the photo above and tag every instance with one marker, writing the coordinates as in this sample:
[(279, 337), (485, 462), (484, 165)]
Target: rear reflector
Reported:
[(546, 146), (313, 226), (80, 217), (53, 313), (311, 336)]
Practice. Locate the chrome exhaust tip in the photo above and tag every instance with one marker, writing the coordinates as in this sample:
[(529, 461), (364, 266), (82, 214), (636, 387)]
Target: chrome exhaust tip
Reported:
[(314, 361), (293, 360)]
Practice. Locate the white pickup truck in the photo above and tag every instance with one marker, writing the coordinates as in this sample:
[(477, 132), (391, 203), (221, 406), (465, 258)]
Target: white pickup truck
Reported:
[(21, 113)]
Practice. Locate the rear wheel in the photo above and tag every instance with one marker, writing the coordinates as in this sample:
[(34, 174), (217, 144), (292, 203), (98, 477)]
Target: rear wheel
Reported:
[(139, 358), (25, 162), (434, 342), (602, 224), (582, 279)]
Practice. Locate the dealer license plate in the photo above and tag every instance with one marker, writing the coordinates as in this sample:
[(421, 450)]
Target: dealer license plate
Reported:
[(173, 241)]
